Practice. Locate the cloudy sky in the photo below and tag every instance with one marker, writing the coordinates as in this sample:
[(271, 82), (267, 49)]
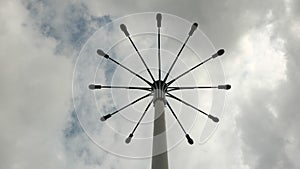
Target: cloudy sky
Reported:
[(40, 42)]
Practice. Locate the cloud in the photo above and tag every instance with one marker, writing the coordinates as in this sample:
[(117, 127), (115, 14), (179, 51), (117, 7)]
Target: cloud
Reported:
[(35, 94), (259, 128), (71, 24), (224, 22), (265, 122)]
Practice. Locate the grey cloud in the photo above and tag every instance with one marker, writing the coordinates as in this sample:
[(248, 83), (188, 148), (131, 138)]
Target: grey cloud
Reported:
[(34, 99), (36, 73), (71, 24), (224, 22), (268, 138), (264, 139), (260, 130)]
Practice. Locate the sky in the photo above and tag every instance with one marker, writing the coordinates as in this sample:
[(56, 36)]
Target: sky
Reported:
[(41, 40)]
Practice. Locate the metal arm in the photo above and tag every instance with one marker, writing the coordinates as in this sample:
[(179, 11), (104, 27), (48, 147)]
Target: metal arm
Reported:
[(215, 119), (124, 29), (128, 139), (225, 87), (189, 139), (192, 87), (158, 19), (219, 53), (103, 118), (193, 28), (101, 53), (97, 86)]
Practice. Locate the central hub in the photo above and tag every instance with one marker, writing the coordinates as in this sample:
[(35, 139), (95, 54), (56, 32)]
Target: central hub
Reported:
[(159, 85), (159, 89)]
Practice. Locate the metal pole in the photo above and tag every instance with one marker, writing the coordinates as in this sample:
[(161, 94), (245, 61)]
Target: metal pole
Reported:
[(159, 149)]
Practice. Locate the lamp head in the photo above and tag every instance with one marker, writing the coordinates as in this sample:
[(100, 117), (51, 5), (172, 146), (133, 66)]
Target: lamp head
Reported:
[(193, 28), (92, 86), (124, 29), (101, 53), (103, 118), (189, 139), (226, 87), (128, 139), (215, 119), (219, 53), (158, 19)]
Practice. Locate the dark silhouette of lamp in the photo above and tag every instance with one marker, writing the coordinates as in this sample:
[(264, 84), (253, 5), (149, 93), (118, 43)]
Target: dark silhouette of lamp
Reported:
[(159, 89)]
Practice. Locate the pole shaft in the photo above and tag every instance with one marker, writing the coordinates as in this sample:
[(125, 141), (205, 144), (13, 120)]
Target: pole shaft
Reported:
[(159, 149)]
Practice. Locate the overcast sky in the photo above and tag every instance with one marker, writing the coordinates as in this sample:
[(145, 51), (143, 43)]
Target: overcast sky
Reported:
[(40, 41)]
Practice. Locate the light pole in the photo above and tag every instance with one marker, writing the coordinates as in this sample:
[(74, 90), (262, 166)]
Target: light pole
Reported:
[(160, 90), (159, 160)]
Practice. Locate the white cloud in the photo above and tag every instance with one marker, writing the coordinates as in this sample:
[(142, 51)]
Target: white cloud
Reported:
[(35, 93), (259, 128)]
